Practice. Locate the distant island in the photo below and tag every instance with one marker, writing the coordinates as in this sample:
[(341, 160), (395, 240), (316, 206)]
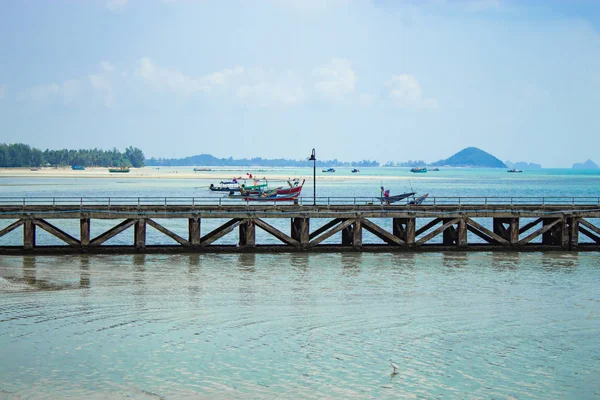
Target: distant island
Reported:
[(471, 157), (589, 164), (212, 161), (522, 165)]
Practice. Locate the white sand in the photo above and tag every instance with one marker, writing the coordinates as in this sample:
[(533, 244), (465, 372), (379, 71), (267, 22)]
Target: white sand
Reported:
[(175, 173)]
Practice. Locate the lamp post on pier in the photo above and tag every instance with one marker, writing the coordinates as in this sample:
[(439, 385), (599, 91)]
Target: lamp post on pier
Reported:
[(313, 158)]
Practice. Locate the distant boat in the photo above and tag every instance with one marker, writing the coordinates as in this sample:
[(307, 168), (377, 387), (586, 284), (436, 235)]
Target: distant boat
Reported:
[(418, 169), (515, 170), (354, 171), (78, 168), (118, 169), (329, 170), (434, 169)]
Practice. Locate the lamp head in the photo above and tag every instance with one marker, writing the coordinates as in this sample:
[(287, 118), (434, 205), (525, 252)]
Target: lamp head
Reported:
[(312, 156)]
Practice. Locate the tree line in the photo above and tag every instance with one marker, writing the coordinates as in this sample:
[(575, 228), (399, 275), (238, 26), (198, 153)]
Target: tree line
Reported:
[(23, 155)]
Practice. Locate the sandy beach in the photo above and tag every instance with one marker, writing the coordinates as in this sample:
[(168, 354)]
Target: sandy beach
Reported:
[(184, 173)]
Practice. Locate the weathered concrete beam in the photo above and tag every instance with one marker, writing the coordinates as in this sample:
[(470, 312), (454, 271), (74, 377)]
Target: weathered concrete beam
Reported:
[(436, 232), (489, 233), (277, 233), (382, 233), (57, 232), (539, 232), (324, 228), (331, 232), (112, 232), (221, 231), (168, 232), (11, 227)]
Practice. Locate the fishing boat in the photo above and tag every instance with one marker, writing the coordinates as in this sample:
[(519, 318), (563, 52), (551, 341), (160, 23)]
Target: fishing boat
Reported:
[(230, 186), (418, 170), (272, 196), (118, 170), (387, 199), (515, 170), (419, 200), (78, 168), (235, 186), (328, 170), (294, 187), (354, 171)]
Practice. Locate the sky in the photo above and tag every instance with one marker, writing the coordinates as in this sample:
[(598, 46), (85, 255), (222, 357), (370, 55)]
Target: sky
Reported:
[(384, 80)]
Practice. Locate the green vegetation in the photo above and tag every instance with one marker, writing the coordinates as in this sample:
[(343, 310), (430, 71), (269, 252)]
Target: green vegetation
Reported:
[(209, 160), (471, 157), (22, 155)]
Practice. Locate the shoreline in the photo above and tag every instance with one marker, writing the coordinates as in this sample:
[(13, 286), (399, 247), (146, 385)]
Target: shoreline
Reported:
[(172, 173)]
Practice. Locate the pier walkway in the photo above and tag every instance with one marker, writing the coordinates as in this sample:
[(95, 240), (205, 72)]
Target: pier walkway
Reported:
[(338, 224)]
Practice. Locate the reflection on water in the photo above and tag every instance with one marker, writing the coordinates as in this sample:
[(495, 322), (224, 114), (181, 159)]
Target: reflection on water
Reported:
[(460, 325)]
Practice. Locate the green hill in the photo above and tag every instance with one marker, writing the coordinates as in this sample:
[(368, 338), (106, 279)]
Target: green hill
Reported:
[(471, 157)]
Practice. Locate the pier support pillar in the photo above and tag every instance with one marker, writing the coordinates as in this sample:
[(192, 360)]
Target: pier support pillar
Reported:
[(348, 235), (510, 232), (450, 235), (514, 231), (404, 228), (462, 233), (357, 234), (84, 229), (300, 230), (194, 231), (139, 234), (573, 227), (564, 233), (247, 234), (552, 236), (28, 234)]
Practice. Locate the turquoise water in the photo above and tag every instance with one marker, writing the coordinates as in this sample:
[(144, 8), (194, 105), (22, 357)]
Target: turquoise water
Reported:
[(501, 325), (319, 326)]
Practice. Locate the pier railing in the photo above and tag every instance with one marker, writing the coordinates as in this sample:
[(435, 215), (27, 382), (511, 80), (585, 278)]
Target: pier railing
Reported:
[(305, 201)]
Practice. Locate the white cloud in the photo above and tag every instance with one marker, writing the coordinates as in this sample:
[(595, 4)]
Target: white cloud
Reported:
[(405, 90), (171, 80), (263, 88), (101, 84), (71, 89), (335, 79), (68, 90), (116, 5), (106, 66)]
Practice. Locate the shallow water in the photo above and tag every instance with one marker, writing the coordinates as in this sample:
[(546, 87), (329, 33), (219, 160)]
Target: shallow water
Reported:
[(485, 325)]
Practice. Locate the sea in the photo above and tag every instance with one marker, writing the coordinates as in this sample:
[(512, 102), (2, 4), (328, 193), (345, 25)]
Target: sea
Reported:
[(497, 325)]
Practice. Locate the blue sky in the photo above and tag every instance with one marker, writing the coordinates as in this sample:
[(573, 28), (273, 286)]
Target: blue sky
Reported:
[(373, 79)]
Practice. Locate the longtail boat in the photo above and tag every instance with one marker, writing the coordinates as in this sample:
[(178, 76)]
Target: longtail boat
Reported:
[(387, 199)]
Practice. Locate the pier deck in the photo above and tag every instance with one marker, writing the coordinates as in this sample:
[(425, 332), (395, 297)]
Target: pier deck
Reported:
[(339, 224)]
